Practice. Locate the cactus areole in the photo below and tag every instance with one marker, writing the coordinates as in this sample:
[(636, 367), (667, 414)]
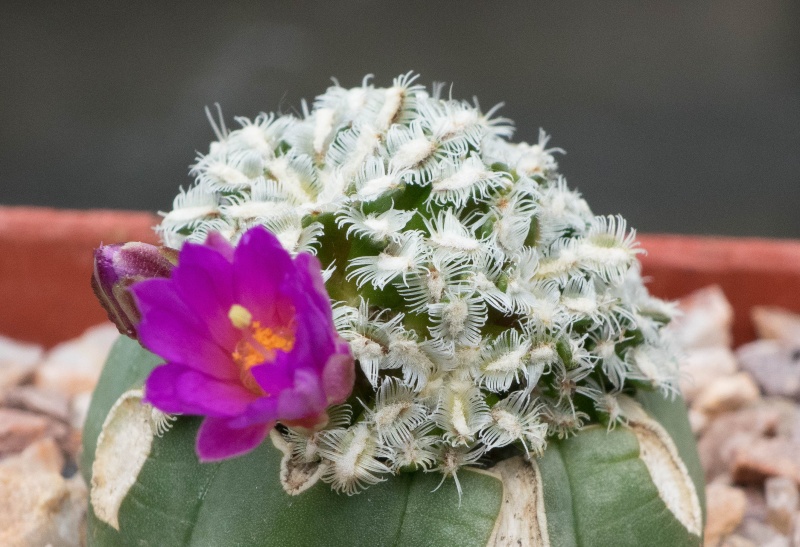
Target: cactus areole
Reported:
[(387, 324)]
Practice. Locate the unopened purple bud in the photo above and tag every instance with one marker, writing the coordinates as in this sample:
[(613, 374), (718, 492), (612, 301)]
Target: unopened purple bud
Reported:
[(117, 267)]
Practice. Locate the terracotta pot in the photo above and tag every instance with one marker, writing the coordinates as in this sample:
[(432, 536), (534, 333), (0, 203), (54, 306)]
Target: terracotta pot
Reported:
[(46, 263), (751, 272)]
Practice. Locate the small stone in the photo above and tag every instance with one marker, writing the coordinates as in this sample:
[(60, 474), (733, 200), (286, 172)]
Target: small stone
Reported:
[(756, 503), (18, 362), (796, 531), (775, 365), (725, 506), (698, 421), (51, 403), (41, 508), (754, 462), (728, 393), (79, 409), (735, 540), (706, 321), (788, 424), (716, 453), (762, 534), (74, 367), (702, 366), (72, 443), (782, 503), (776, 323), (42, 455), (19, 429), (791, 427), (726, 432), (79, 493)]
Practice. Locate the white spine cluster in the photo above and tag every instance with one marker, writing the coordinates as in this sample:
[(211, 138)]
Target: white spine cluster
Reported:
[(486, 305)]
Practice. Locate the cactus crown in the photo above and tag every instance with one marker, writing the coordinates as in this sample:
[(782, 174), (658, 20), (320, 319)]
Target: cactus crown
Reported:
[(486, 306)]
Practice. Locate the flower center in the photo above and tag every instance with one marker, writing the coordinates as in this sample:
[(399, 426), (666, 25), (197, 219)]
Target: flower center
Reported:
[(257, 345)]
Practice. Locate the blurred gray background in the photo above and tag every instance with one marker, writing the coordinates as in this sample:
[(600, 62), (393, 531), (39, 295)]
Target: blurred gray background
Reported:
[(682, 116)]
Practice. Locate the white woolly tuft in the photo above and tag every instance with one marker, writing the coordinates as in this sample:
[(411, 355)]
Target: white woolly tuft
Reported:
[(482, 300)]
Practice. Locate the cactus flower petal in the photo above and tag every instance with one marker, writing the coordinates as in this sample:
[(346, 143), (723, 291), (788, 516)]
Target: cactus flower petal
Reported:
[(179, 389), (249, 340), (217, 440)]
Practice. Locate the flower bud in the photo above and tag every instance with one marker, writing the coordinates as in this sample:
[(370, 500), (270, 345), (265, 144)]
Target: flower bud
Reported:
[(117, 267)]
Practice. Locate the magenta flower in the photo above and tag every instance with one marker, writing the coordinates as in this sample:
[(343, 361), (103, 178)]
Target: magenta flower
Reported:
[(248, 337)]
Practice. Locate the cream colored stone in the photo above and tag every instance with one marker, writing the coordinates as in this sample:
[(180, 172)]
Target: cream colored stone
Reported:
[(73, 444), (782, 503), (725, 506), (706, 320), (795, 538), (41, 508), (776, 323), (727, 432), (735, 540), (74, 367), (41, 401), (756, 503), (698, 421), (728, 393), (42, 455), (775, 365), (766, 457), (762, 534), (18, 429), (701, 367), (79, 409), (18, 362)]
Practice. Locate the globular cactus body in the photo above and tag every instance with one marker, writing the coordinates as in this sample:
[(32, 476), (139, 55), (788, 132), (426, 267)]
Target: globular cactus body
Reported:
[(497, 324)]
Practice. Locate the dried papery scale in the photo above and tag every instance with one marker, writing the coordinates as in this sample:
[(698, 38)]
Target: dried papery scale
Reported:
[(486, 306)]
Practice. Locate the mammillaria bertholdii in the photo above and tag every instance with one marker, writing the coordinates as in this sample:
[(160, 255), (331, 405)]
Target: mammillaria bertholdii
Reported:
[(485, 304), (471, 345)]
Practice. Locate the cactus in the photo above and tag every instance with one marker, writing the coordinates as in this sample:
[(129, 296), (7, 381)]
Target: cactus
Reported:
[(514, 378)]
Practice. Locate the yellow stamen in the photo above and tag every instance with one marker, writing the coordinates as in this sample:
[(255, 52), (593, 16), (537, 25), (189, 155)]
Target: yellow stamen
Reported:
[(257, 346)]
